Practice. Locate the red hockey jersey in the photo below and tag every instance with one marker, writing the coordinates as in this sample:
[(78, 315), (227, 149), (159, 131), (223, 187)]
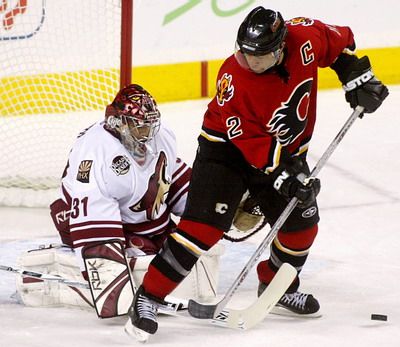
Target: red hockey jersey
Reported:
[(263, 113)]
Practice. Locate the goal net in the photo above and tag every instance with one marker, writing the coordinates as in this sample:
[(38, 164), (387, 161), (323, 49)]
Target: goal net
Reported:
[(60, 64)]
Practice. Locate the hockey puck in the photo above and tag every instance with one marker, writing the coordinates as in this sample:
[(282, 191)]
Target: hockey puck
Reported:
[(381, 317)]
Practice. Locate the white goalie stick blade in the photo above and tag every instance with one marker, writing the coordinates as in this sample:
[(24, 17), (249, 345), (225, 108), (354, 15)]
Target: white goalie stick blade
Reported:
[(256, 312)]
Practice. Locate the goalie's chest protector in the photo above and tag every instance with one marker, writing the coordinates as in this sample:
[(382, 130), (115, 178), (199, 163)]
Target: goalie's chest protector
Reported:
[(116, 188), (141, 190)]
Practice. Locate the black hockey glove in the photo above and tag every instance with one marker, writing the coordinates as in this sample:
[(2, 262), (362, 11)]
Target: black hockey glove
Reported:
[(288, 181), (361, 86)]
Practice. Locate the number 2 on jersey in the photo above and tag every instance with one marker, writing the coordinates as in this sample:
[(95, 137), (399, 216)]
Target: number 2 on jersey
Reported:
[(233, 124)]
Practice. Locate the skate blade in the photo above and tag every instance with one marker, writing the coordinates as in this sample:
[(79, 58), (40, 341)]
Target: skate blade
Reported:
[(138, 334), (282, 311)]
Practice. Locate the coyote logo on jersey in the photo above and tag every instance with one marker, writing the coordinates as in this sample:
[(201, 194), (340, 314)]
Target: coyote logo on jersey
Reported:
[(157, 190), (290, 120), (225, 89)]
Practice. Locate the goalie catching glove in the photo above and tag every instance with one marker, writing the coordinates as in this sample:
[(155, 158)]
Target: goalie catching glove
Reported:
[(248, 215), (361, 86), (289, 180)]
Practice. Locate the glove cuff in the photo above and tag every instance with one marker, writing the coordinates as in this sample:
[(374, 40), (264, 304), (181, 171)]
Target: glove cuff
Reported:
[(343, 66)]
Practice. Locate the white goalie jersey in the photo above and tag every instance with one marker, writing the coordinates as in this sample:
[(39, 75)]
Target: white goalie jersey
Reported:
[(106, 194)]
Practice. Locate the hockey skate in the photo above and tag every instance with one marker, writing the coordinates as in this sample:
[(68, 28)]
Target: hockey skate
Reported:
[(142, 316), (295, 304)]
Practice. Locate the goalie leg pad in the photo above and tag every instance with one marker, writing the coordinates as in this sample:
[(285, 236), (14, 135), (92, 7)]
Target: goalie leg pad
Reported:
[(201, 284), (108, 277), (54, 260)]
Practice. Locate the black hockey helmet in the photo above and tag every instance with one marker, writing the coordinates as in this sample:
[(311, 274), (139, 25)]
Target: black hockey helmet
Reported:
[(262, 32)]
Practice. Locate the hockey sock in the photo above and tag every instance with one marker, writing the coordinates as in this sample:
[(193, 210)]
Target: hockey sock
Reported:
[(180, 252), (288, 247)]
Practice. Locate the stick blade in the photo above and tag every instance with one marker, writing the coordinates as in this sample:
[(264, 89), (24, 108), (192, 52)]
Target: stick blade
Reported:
[(252, 315), (201, 311)]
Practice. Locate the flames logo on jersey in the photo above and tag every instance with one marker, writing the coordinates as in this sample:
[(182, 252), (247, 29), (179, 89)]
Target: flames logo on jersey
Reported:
[(301, 21), (157, 190), (225, 89), (289, 121)]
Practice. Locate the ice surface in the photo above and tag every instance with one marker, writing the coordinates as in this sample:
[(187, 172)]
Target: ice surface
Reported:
[(353, 268)]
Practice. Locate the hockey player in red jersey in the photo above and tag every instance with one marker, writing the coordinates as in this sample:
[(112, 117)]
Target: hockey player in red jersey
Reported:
[(255, 136)]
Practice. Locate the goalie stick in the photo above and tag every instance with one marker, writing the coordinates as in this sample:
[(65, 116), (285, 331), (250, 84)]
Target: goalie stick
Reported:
[(45, 277), (203, 311), (172, 304)]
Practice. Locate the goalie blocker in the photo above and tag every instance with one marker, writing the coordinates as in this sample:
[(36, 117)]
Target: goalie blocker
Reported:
[(111, 283)]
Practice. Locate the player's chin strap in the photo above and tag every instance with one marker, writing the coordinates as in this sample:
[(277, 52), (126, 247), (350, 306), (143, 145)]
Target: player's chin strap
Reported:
[(199, 310)]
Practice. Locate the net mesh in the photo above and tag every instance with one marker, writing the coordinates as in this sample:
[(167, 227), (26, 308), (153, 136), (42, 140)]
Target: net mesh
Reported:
[(59, 67)]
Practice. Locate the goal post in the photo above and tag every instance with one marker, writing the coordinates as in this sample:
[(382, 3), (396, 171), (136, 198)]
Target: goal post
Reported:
[(61, 63)]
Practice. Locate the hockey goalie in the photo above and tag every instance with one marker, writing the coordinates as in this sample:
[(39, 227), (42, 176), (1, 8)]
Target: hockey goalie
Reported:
[(122, 185)]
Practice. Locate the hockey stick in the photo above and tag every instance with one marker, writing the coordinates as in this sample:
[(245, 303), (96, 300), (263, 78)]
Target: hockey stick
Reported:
[(255, 313), (171, 304), (202, 311), (45, 277)]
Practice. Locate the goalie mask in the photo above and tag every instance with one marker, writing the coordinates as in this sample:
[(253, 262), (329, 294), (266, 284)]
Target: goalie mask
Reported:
[(134, 117), (260, 40)]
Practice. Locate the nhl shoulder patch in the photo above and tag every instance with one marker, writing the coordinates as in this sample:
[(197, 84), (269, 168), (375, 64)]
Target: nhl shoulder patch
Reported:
[(120, 165), (84, 171)]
